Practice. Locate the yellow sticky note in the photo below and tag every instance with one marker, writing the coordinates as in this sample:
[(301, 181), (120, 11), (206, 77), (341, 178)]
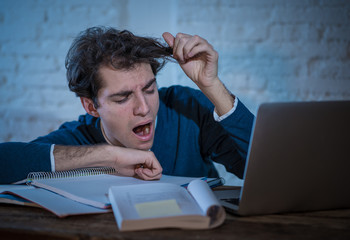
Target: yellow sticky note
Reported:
[(161, 208)]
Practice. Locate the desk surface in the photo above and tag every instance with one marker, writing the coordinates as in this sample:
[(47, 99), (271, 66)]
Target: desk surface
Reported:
[(36, 223)]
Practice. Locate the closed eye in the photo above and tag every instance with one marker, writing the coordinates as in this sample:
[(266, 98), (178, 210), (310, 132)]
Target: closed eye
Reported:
[(123, 98), (151, 91), (150, 87)]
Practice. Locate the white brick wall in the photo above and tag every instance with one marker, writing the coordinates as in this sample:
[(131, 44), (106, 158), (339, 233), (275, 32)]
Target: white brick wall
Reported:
[(270, 50)]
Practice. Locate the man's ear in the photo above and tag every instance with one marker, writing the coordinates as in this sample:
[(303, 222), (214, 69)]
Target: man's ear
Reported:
[(89, 106)]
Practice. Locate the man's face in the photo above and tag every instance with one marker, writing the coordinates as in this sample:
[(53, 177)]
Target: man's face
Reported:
[(128, 105)]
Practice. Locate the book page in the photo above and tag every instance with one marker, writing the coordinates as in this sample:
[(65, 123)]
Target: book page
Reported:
[(158, 208), (9, 187), (93, 190), (207, 201), (55, 203), (153, 200), (6, 196), (90, 190), (12, 199)]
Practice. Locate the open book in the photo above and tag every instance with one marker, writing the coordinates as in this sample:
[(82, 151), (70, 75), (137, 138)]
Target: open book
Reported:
[(90, 186), (166, 205)]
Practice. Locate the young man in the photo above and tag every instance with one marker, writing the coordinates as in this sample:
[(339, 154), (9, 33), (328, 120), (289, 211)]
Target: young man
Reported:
[(130, 124)]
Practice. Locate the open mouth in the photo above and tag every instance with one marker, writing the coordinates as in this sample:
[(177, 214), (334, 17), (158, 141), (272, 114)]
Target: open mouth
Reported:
[(142, 130)]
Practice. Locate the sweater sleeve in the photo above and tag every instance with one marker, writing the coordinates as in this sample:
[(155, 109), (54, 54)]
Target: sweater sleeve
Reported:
[(227, 141), (18, 159)]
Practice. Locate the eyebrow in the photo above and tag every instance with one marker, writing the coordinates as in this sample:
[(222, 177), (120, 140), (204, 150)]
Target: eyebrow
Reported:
[(127, 92)]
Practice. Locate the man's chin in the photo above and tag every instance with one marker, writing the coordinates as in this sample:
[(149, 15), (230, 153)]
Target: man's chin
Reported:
[(143, 146)]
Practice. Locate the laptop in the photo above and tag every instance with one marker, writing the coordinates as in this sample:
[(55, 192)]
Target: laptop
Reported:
[(298, 160)]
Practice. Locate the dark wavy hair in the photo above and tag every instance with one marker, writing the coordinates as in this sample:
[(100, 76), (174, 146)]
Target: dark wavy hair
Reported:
[(105, 46)]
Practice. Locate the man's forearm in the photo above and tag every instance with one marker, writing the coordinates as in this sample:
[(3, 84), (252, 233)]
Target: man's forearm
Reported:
[(222, 99), (126, 161), (73, 157)]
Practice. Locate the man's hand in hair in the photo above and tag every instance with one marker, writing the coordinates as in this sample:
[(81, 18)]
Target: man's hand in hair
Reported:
[(199, 61)]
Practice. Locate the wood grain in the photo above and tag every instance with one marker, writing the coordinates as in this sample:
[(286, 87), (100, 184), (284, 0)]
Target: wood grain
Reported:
[(17, 222)]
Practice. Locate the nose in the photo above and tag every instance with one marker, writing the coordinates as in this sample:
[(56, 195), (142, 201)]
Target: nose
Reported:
[(141, 107)]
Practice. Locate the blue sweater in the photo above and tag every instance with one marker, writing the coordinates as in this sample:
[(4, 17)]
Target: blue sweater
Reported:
[(187, 139)]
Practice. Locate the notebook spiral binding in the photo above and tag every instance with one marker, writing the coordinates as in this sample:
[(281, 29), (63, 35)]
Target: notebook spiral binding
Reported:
[(70, 173)]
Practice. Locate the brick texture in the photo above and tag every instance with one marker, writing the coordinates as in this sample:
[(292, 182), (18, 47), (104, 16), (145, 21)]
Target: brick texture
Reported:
[(270, 50)]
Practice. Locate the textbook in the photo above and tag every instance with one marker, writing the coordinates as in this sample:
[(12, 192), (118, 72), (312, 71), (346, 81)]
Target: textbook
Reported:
[(166, 205), (57, 204), (6, 196), (90, 185), (13, 199)]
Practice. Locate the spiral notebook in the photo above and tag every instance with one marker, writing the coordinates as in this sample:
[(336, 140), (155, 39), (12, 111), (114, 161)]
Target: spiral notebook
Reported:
[(90, 185)]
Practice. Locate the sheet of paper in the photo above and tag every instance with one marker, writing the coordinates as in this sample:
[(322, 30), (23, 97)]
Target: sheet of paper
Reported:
[(161, 208), (93, 190)]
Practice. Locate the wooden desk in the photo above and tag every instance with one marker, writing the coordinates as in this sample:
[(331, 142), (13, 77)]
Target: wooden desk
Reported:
[(17, 222)]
